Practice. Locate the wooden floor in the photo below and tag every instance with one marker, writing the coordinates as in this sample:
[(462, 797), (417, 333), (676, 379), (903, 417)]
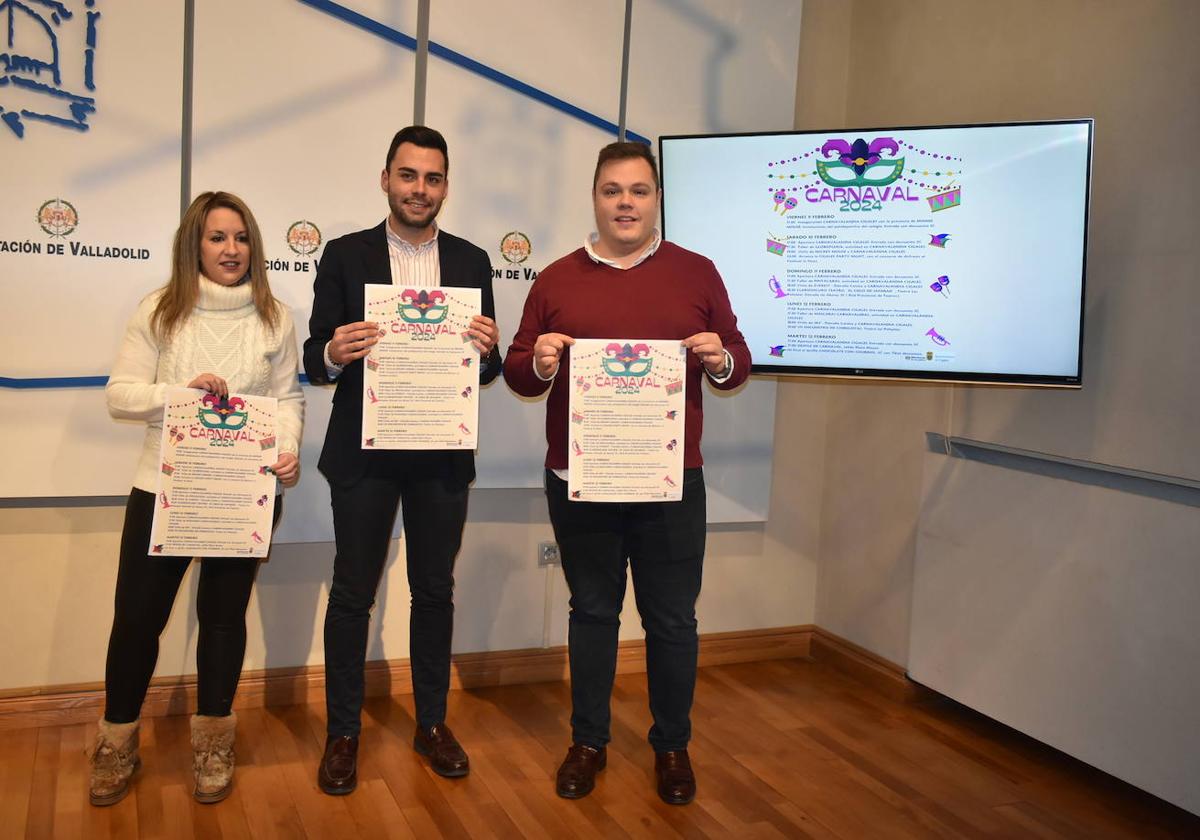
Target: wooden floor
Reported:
[(788, 748)]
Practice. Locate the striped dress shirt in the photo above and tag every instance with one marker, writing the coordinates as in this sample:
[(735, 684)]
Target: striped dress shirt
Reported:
[(414, 265)]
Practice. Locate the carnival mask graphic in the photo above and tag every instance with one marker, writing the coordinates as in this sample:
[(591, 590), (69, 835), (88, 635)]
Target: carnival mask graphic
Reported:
[(861, 163), (627, 360), (422, 307), (222, 412)]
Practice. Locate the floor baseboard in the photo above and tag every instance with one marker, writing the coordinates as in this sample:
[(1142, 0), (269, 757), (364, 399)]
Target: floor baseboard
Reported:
[(880, 674), (80, 703)]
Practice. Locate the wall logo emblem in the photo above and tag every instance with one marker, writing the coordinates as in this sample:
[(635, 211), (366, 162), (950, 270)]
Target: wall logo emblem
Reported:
[(627, 360), (304, 238), (860, 163), (38, 40), (57, 217), (515, 247)]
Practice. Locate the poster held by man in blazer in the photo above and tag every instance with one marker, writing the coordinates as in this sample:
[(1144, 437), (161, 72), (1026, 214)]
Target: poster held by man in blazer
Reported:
[(366, 487)]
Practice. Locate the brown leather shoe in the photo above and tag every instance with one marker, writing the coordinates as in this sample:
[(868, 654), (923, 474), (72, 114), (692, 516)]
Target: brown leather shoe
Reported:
[(676, 781), (577, 774), (338, 774), (446, 756)]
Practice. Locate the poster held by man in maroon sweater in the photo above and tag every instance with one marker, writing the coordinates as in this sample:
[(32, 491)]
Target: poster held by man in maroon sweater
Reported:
[(626, 280)]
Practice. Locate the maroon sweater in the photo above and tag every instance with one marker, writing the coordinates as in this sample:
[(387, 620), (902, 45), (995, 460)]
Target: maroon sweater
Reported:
[(673, 294)]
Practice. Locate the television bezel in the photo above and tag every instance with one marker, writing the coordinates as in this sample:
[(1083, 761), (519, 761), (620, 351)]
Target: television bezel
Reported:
[(939, 376)]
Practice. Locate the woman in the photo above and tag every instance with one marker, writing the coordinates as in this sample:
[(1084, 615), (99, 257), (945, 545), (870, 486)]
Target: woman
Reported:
[(215, 326)]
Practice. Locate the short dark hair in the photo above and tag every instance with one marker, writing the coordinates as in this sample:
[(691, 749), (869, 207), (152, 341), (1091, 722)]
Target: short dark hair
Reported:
[(418, 135), (625, 151)]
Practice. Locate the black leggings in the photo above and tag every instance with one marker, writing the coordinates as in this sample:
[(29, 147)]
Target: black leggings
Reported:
[(146, 588)]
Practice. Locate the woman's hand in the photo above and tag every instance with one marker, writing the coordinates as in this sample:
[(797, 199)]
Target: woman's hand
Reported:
[(212, 383), (287, 469)]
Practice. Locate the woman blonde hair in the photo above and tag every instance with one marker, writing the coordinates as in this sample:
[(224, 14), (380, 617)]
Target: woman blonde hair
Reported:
[(180, 295)]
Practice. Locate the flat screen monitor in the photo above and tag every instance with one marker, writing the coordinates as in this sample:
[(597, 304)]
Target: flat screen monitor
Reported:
[(951, 253)]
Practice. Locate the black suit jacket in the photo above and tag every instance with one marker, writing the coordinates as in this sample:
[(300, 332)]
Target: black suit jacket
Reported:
[(350, 262)]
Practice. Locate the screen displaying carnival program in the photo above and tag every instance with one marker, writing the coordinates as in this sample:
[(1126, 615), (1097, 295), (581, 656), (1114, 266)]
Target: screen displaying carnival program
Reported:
[(951, 253)]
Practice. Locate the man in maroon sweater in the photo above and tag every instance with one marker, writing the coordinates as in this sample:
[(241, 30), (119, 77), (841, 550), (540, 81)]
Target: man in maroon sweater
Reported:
[(627, 282)]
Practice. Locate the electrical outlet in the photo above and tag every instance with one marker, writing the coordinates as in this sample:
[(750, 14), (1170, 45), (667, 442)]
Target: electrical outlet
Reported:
[(547, 554)]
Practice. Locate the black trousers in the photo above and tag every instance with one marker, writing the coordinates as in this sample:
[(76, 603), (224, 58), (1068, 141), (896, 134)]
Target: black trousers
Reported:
[(434, 508), (146, 589), (663, 543)]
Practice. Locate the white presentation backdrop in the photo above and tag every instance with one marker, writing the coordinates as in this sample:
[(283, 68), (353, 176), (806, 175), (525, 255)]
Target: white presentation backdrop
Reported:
[(520, 164), (90, 186), (303, 143), (529, 164)]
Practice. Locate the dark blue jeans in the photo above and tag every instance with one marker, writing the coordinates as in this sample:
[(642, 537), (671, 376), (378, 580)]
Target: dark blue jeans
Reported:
[(434, 510), (663, 544)]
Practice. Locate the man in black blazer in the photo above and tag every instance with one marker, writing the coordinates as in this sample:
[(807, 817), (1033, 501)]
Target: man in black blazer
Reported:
[(367, 486)]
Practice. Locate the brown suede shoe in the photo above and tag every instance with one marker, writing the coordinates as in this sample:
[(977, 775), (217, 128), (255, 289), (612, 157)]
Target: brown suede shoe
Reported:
[(577, 774), (676, 781), (446, 755), (338, 773)]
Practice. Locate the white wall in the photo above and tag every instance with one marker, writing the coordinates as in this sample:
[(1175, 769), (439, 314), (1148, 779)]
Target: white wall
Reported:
[(1141, 259), (1037, 597), (1083, 635), (304, 140)]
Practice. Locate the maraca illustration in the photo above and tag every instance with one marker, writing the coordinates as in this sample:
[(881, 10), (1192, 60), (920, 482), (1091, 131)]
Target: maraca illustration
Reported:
[(779, 196)]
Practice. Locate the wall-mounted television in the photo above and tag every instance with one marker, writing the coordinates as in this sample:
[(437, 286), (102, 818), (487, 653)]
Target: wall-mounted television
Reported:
[(949, 253)]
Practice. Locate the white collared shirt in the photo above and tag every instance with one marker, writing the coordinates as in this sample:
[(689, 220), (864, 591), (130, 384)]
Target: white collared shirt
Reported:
[(589, 245), (414, 265)]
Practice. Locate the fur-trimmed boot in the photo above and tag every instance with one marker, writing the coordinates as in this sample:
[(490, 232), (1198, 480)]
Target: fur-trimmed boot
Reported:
[(114, 758), (212, 756)]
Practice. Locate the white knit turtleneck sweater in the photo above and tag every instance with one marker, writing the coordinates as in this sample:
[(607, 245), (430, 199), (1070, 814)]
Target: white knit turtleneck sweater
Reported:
[(224, 336)]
